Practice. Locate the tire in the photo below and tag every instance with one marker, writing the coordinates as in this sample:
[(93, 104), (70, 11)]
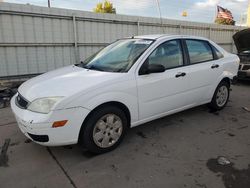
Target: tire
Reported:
[(104, 129), (222, 91), (2, 103)]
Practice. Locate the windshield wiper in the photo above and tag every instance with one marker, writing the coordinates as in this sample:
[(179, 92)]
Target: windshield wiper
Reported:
[(93, 67)]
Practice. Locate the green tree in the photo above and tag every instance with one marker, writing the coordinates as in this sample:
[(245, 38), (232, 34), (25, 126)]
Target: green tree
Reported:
[(105, 7), (224, 21)]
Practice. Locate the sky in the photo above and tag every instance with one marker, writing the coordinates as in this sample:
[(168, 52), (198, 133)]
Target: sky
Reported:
[(197, 10)]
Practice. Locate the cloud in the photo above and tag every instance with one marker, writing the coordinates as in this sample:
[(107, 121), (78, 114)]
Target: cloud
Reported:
[(136, 8), (134, 5), (212, 3), (208, 3)]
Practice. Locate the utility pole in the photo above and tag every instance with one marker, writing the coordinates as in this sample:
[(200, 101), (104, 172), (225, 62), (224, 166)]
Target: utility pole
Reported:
[(49, 3), (248, 14), (159, 9)]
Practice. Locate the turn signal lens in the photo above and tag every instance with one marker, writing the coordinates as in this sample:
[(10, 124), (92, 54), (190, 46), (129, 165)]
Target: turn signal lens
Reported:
[(59, 123)]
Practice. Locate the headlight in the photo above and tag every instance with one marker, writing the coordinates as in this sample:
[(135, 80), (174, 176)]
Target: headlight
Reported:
[(43, 105)]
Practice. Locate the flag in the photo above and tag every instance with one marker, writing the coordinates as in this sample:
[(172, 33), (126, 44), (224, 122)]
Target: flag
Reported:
[(224, 13)]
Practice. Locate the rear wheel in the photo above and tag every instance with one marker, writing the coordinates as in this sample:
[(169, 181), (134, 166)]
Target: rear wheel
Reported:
[(104, 129), (221, 96)]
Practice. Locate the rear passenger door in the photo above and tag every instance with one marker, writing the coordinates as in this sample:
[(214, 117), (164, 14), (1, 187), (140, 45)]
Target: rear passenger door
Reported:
[(203, 70)]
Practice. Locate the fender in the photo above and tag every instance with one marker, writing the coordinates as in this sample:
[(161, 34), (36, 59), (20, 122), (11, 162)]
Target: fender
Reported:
[(130, 101)]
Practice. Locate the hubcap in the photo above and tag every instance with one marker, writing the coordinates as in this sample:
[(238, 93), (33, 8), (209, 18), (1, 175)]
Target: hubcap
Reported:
[(107, 130), (222, 95)]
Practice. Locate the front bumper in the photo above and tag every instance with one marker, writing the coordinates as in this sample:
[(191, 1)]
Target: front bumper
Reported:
[(38, 127), (244, 71), (244, 75)]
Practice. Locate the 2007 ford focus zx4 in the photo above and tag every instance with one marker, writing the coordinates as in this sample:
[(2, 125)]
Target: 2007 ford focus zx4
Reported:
[(127, 83)]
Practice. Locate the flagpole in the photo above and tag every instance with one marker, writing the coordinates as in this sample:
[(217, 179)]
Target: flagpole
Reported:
[(215, 12)]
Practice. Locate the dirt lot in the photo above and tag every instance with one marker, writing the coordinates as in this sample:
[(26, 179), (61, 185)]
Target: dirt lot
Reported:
[(176, 151)]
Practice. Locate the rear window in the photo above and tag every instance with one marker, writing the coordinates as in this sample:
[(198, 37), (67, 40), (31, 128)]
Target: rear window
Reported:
[(199, 51), (217, 52)]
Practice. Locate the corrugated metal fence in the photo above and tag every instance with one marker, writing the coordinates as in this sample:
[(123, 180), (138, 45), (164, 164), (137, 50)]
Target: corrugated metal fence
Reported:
[(36, 39)]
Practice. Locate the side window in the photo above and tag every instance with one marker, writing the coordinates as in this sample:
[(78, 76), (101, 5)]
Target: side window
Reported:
[(168, 54), (199, 51), (218, 54)]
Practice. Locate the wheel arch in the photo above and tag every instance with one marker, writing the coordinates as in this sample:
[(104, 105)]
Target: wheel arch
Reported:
[(213, 105), (226, 79), (120, 105), (221, 79)]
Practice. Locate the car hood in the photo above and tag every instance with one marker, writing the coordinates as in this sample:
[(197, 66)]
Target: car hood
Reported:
[(65, 82), (242, 40)]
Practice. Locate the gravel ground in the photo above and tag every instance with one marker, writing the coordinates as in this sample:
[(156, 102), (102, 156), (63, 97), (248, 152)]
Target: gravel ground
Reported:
[(180, 150)]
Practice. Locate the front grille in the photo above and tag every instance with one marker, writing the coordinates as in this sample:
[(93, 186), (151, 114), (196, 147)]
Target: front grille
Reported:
[(246, 67), (21, 101), (240, 67), (242, 74)]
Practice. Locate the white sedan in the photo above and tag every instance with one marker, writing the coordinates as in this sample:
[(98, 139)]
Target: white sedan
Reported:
[(128, 83)]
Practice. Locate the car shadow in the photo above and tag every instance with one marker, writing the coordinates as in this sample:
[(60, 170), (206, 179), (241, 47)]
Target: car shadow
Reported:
[(144, 131), (243, 82)]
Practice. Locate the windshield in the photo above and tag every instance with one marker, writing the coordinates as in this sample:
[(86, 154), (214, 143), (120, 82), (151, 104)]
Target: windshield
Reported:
[(118, 56), (246, 52)]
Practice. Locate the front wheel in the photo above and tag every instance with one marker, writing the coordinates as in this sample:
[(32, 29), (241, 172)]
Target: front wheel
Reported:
[(220, 97), (104, 129)]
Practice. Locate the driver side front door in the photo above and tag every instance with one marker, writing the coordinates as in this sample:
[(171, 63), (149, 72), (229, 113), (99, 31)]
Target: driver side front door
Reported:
[(163, 93)]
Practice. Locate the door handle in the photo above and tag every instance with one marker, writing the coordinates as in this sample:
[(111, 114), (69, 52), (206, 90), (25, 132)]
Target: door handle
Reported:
[(214, 66), (180, 74)]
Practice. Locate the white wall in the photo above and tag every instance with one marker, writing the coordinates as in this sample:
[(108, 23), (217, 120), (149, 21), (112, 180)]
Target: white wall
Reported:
[(38, 39)]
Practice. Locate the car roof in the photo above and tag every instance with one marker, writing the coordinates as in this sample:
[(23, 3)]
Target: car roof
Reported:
[(166, 36), (154, 37), (173, 36)]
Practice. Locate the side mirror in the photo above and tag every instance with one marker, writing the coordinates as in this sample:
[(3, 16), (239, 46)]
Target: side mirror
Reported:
[(155, 68), (147, 68)]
